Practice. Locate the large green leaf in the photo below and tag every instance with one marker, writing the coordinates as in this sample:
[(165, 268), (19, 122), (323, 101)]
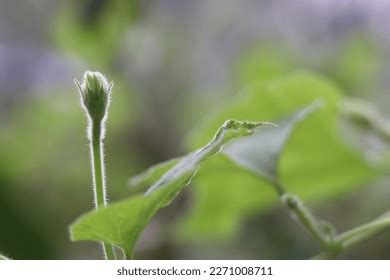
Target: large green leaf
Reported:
[(261, 151), (122, 223), (316, 163)]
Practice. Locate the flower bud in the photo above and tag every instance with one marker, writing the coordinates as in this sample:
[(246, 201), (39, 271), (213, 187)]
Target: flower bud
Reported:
[(95, 92)]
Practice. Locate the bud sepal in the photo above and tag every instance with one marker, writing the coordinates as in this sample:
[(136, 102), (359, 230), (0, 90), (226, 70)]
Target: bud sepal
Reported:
[(95, 92)]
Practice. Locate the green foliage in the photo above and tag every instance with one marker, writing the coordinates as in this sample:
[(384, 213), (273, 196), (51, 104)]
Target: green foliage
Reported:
[(122, 223), (50, 123), (263, 63), (94, 33), (357, 64), (260, 153), (315, 163)]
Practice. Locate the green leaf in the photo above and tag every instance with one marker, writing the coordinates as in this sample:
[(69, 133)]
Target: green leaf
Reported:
[(316, 163), (94, 36), (122, 223), (144, 180), (261, 151), (357, 66), (263, 63)]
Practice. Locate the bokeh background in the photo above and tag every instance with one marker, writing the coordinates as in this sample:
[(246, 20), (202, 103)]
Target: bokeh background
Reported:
[(173, 62)]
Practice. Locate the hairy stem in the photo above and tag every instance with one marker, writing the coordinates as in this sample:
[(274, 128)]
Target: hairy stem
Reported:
[(98, 177)]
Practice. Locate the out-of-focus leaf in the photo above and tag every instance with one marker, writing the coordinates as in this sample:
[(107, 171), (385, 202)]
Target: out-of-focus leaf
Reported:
[(94, 30), (357, 65), (264, 63), (50, 123), (366, 115), (261, 151), (315, 163), (122, 223), (3, 258)]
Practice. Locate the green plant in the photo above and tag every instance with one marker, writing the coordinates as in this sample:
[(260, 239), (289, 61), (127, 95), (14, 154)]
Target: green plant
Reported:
[(95, 93), (315, 161), (121, 224), (247, 154), (251, 160), (254, 151)]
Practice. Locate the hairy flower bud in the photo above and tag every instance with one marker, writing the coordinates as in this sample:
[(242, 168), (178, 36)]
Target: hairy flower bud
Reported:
[(95, 92)]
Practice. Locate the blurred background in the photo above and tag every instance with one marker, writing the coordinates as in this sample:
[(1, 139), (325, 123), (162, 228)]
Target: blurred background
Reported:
[(172, 61)]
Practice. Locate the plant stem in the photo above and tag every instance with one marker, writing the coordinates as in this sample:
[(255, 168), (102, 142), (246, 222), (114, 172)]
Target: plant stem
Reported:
[(98, 177), (302, 213), (358, 234), (355, 235), (320, 230)]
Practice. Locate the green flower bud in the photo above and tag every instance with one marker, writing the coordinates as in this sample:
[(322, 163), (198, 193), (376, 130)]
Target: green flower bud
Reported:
[(95, 92)]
